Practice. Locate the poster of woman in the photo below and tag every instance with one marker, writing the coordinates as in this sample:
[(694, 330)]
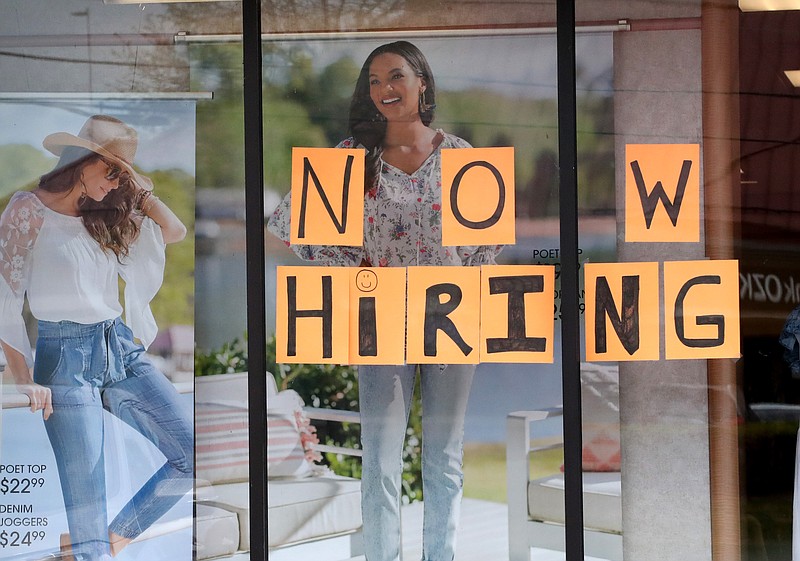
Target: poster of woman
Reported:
[(101, 453)]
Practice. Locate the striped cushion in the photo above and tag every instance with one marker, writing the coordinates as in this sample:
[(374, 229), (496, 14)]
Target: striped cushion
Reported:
[(221, 442)]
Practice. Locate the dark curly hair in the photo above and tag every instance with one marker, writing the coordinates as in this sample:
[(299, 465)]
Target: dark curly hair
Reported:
[(110, 222), (367, 125)]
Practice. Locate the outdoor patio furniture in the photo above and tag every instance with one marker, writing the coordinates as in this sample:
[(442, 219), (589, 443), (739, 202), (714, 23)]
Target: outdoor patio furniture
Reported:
[(301, 509), (536, 506)]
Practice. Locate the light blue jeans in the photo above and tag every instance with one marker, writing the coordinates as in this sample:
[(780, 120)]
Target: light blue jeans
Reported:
[(94, 367), (385, 394)]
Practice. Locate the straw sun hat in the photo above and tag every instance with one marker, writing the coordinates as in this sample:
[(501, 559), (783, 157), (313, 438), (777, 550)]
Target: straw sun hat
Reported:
[(107, 136)]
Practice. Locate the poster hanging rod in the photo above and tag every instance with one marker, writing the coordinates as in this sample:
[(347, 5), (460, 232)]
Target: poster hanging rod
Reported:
[(83, 96), (185, 37)]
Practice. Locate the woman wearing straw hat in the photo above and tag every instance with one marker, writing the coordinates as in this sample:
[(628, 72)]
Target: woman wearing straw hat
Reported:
[(64, 245)]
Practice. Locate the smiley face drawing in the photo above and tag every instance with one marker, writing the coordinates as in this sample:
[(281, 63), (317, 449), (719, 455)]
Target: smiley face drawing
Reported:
[(366, 280)]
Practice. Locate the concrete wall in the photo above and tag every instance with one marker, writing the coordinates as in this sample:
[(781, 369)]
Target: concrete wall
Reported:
[(663, 405)]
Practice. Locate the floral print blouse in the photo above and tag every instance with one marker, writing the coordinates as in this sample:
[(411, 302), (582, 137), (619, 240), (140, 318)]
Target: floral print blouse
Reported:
[(402, 221)]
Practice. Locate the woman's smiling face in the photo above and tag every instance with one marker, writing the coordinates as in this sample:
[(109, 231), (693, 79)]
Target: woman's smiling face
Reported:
[(394, 87)]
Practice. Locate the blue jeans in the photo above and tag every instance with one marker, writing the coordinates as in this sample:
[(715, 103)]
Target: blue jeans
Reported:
[(385, 394), (89, 368)]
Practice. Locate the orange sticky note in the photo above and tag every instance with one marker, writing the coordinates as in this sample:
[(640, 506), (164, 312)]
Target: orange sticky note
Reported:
[(517, 313), (377, 315), (327, 196), (443, 315), (701, 309), (478, 196), (621, 318), (662, 193), (311, 315)]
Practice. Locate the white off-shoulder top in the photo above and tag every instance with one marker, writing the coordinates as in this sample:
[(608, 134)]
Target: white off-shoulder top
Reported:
[(67, 276)]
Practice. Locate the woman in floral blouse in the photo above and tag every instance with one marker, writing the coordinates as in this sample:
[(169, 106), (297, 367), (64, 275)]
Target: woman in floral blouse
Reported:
[(390, 116)]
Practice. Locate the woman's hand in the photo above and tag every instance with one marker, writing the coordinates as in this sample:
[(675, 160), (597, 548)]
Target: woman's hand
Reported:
[(172, 229), (40, 398)]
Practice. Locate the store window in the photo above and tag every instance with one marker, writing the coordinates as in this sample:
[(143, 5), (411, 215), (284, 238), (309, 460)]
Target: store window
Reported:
[(686, 313), (668, 430)]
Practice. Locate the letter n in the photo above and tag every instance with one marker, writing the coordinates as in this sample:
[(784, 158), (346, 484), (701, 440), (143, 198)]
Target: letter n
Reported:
[(321, 177), (626, 325), (622, 311)]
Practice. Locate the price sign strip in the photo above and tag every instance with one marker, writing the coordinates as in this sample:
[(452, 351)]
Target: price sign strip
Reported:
[(13, 516)]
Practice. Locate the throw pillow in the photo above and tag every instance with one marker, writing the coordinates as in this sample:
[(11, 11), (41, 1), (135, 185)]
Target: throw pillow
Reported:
[(290, 437), (600, 404), (221, 446)]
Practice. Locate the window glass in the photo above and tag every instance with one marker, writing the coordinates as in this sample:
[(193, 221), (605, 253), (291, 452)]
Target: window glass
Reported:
[(150, 110), (766, 242), (495, 88), (701, 102)]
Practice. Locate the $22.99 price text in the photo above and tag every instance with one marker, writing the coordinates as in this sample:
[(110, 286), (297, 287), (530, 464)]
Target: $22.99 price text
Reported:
[(20, 485)]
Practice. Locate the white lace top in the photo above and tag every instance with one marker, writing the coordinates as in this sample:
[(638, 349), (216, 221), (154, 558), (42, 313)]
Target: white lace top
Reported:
[(402, 221), (67, 276)]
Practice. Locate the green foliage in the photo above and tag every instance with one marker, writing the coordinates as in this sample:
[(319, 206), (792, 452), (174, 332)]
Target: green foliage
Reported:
[(229, 358), (21, 166), (325, 95), (287, 124), (486, 118), (174, 303), (220, 121)]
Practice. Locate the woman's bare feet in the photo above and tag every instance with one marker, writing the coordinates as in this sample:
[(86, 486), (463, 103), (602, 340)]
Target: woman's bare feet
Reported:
[(116, 542), (65, 545)]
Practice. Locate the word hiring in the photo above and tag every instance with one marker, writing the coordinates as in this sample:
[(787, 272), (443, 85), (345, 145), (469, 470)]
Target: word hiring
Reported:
[(700, 303), (417, 315)]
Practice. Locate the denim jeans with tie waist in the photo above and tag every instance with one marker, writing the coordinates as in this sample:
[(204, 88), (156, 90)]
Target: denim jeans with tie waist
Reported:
[(385, 394), (89, 368)]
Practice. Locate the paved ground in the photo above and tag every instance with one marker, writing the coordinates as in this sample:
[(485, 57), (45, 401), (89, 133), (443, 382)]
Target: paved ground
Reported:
[(482, 536)]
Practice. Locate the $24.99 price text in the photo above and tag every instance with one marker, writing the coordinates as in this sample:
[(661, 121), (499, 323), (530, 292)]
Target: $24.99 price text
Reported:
[(17, 539)]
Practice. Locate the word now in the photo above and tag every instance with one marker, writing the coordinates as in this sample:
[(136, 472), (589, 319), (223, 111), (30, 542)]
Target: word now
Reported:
[(477, 199)]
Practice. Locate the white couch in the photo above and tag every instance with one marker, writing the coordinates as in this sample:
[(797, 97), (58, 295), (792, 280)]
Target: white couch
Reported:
[(536, 506), (300, 509)]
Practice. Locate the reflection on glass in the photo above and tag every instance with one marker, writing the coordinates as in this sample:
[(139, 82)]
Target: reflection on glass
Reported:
[(490, 92)]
